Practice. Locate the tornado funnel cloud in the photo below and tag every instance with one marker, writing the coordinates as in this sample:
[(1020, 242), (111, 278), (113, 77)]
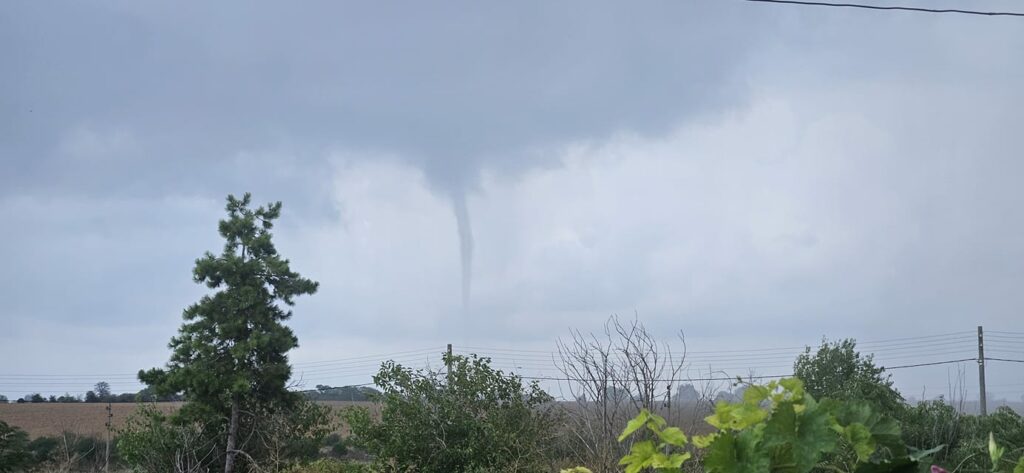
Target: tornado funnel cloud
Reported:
[(465, 245)]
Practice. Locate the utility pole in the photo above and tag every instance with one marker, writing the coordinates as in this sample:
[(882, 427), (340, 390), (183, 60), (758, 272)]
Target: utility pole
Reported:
[(981, 371), (448, 362), (106, 457)]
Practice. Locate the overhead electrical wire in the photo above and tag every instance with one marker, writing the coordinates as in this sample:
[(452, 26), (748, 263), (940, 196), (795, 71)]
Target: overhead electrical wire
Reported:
[(1004, 359), (423, 351), (892, 7), (539, 361)]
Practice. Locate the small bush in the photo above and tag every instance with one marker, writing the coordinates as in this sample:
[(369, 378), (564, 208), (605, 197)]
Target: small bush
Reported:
[(777, 427), (473, 418), (970, 454), (14, 451), (330, 465), (931, 423), (338, 446), (150, 443)]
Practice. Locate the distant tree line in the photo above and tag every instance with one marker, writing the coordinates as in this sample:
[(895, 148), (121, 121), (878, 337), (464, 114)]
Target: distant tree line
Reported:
[(100, 393), (341, 393)]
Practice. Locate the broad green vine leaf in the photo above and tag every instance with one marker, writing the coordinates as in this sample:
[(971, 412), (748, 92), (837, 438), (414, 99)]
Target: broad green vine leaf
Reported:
[(860, 437), (738, 452), (814, 435), (755, 394), (673, 461), (781, 427), (799, 439), (704, 441), (885, 431), (635, 423), (794, 387), (721, 455), (640, 456), (736, 416), (673, 436)]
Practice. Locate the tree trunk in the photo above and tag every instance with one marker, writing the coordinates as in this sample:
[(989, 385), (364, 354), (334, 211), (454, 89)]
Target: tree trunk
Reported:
[(229, 463)]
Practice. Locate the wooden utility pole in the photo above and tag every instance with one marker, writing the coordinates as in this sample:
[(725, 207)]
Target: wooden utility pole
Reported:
[(448, 362), (981, 371), (106, 456)]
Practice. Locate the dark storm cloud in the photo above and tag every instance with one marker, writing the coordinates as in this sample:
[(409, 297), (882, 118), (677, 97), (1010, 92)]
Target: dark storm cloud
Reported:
[(742, 171), (449, 87)]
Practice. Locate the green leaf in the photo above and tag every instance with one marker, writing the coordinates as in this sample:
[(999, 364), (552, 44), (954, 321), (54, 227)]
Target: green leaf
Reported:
[(673, 436), (781, 427), (635, 424), (899, 465), (799, 439), (793, 385), (673, 461), (918, 455), (860, 437), (755, 394), (995, 452), (737, 452), (1020, 465), (814, 436), (721, 454), (640, 456), (885, 431), (704, 441)]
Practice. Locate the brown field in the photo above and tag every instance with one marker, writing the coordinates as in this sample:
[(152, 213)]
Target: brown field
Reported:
[(88, 418)]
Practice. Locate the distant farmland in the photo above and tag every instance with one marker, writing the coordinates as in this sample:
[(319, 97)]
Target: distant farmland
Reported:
[(89, 418)]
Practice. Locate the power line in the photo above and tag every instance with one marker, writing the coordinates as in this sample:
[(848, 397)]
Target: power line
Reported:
[(422, 351), (345, 386), (892, 7), (1004, 359), (929, 364), (357, 365), (887, 354), (914, 346), (670, 380), (961, 333)]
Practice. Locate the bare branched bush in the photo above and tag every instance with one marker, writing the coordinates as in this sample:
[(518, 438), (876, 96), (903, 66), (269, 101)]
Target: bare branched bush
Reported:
[(610, 377)]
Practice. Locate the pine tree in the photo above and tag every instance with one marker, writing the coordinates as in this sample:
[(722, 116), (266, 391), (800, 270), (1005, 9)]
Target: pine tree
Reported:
[(231, 351)]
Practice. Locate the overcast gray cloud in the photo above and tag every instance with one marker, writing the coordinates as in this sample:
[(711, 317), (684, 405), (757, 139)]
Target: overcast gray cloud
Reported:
[(735, 170)]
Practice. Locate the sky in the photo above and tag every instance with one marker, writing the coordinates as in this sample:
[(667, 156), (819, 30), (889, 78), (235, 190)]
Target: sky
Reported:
[(496, 175)]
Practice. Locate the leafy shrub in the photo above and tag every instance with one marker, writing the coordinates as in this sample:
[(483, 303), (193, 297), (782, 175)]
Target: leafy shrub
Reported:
[(277, 437), (1004, 426), (44, 448), (473, 418), (67, 452), (931, 423), (14, 451), (287, 435), (777, 427), (837, 371), (330, 465), (150, 443), (338, 445)]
